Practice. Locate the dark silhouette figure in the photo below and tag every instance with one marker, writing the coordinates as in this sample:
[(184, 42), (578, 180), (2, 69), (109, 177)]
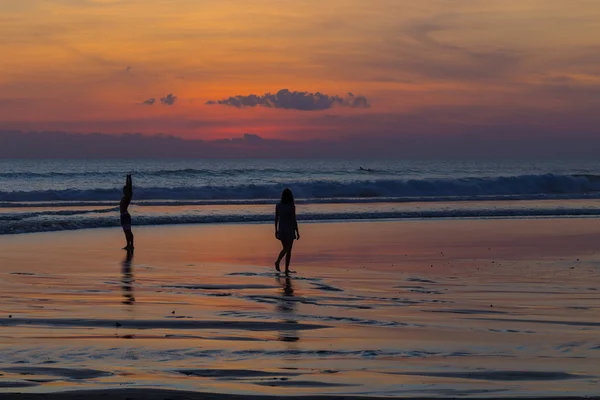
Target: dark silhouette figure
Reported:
[(125, 216), (286, 228), (287, 305), (127, 281)]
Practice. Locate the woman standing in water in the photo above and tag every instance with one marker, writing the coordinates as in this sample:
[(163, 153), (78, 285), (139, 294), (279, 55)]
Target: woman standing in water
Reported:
[(286, 227), (125, 216)]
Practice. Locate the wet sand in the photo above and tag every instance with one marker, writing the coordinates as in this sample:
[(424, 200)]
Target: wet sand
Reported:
[(159, 394), (449, 308)]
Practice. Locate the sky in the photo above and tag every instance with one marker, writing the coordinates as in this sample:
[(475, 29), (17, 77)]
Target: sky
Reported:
[(469, 76)]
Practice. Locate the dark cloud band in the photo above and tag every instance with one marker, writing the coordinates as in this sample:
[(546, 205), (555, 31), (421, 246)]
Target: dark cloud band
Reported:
[(304, 101), (167, 100)]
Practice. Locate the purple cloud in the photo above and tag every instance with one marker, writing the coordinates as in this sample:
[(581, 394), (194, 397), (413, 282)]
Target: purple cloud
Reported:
[(168, 100), (304, 101)]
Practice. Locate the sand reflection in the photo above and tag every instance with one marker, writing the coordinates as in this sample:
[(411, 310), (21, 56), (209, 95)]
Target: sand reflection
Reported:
[(127, 279), (287, 306)]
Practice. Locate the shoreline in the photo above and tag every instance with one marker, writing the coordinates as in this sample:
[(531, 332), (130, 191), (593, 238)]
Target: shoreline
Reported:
[(56, 219)]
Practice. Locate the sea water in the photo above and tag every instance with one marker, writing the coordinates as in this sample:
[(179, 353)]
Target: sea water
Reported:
[(49, 195)]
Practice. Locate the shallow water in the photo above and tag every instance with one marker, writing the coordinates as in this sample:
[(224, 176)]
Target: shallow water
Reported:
[(419, 308), (21, 218)]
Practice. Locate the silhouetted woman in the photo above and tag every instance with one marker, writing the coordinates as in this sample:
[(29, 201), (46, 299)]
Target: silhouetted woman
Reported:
[(125, 216), (286, 227)]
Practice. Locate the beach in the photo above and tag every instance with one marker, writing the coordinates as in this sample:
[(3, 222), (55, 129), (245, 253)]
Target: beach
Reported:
[(429, 167), (393, 308)]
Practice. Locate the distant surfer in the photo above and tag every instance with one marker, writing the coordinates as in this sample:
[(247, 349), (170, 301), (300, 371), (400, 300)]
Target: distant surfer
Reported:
[(125, 216), (286, 228)]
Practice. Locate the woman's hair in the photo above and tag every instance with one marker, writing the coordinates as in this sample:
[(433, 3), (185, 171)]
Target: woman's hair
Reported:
[(287, 197)]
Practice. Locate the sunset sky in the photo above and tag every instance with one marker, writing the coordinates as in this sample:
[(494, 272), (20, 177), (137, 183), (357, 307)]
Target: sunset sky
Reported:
[(360, 69)]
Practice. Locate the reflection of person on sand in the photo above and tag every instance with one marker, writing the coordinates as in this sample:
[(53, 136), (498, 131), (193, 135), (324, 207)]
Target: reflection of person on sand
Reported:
[(287, 306), (125, 216), (127, 282), (286, 228)]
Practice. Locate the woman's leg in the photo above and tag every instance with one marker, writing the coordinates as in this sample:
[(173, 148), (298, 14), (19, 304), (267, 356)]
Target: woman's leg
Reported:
[(281, 255), (129, 236), (126, 238), (288, 255)]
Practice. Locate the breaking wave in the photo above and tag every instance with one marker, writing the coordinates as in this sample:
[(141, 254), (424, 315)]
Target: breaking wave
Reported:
[(53, 221), (515, 187)]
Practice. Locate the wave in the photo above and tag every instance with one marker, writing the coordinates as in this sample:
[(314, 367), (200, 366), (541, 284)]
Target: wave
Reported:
[(28, 215), (149, 173), (244, 202), (548, 185), (58, 222)]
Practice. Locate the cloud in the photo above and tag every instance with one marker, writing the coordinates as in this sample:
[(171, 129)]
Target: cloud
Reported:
[(58, 144), (475, 142), (304, 101), (253, 138), (432, 49), (439, 59), (168, 100), (248, 139)]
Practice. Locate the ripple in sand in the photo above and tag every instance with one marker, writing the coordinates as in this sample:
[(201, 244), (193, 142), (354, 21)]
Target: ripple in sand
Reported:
[(234, 338), (465, 311), (541, 321), (420, 280), (500, 375), (71, 373), (305, 384), (159, 324), (21, 384), (349, 354), (425, 291), (321, 302), (509, 331), (359, 321), (400, 301), (232, 373), (96, 337), (273, 274), (221, 287), (268, 274), (326, 288), (353, 306), (324, 318)]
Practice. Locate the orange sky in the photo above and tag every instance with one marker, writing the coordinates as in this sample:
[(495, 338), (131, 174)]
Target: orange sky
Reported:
[(88, 65)]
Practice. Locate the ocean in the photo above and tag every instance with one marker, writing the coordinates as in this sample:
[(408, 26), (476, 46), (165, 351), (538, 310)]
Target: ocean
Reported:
[(54, 195)]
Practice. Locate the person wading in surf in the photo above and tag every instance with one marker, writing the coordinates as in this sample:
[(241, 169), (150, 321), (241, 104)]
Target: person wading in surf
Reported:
[(286, 228), (125, 216)]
